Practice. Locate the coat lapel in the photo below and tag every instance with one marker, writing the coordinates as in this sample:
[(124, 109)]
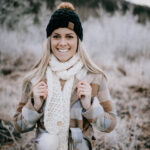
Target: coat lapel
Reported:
[(74, 96)]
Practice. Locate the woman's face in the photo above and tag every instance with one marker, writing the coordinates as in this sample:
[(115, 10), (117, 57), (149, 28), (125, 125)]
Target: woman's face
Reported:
[(63, 44)]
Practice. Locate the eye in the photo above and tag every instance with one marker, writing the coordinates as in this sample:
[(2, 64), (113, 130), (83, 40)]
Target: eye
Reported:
[(56, 36), (69, 36)]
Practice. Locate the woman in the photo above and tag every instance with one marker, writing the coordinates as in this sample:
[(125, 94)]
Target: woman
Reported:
[(65, 95)]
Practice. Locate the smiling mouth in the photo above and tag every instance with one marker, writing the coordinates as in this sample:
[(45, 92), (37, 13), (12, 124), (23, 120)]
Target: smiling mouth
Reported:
[(63, 51)]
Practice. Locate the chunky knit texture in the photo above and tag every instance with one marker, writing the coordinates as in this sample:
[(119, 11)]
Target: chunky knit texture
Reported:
[(57, 109), (63, 18)]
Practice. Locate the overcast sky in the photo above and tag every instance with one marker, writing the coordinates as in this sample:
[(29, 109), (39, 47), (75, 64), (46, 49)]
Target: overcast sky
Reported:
[(141, 2)]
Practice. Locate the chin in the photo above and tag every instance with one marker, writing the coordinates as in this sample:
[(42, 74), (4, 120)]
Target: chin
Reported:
[(64, 59)]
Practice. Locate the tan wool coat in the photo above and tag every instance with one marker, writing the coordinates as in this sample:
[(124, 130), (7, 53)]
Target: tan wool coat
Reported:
[(101, 114)]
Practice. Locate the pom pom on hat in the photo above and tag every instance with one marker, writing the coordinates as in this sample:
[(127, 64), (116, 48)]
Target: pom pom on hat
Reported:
[(66, 5)]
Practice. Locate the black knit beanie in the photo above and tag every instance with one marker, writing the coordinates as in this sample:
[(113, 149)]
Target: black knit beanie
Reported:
[(65, 16)]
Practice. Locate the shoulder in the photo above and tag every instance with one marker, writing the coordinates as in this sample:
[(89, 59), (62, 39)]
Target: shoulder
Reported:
[(96, 78)]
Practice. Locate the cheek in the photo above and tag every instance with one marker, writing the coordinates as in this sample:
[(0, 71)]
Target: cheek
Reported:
[(53, 44), (74, 46)]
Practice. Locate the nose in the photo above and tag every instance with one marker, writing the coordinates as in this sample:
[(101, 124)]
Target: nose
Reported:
[(62, 42)]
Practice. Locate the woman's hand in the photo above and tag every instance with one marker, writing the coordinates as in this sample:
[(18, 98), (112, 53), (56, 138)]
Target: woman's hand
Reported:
[(40, 94), (84, 92)]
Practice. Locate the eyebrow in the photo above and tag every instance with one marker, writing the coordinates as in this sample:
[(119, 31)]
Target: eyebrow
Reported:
[(66, 34)]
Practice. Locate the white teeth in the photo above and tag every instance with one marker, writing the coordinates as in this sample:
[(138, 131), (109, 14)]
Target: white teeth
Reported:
[(63, 51)]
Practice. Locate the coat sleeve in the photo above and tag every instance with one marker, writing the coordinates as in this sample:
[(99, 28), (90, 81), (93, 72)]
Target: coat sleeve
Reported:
[(26, 115), (102, 112)]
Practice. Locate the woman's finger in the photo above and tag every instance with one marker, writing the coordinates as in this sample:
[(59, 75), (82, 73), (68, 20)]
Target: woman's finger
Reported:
[(42, 87), (43, 91), (79, 91), (82, 94), (37, 93), (42, 94), (45, 96), (42, 83), (86, 93), (82, 86), (83, 89), (83, 82)]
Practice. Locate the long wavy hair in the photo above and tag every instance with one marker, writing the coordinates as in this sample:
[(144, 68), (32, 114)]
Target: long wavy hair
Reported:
[(38, 71)]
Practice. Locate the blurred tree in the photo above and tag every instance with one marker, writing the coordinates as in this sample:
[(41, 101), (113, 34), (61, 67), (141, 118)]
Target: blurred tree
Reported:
[(50, 4), (110, 5), (142, 12), (12, 10), (124, 7)]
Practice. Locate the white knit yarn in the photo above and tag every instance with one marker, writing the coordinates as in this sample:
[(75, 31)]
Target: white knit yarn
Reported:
[(57, 107), (68, 69), (58, 66)]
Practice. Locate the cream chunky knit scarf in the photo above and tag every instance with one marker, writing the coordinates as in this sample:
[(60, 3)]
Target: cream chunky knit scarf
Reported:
[(57, 109)]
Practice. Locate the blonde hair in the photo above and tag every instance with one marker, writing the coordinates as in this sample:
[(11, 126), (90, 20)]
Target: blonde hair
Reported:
[(38, 72), (87, 61)]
